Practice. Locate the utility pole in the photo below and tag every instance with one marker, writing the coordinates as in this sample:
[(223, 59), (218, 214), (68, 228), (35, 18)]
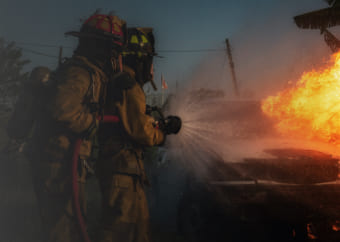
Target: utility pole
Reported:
[(176, 86), (60, 55), (232, 67), (162, 85)]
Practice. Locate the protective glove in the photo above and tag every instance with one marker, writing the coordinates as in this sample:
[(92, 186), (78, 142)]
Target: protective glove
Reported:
[(171, 125)]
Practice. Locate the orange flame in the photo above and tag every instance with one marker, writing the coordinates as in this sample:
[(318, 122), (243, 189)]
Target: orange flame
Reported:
[(311, 109)]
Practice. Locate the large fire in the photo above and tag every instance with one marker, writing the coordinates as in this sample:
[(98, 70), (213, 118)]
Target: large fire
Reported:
[(310, 109)]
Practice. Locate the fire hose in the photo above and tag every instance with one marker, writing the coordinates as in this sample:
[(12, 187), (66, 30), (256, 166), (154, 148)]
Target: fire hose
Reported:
[(75, 187)]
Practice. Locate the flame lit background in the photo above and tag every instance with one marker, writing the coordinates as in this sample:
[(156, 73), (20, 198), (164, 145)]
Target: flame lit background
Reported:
[(311, 108)]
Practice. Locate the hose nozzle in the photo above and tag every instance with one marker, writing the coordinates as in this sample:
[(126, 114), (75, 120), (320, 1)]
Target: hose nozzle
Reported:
[(172, 124)]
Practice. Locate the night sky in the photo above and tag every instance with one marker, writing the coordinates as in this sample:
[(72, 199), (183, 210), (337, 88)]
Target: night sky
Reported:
[(268, 48)]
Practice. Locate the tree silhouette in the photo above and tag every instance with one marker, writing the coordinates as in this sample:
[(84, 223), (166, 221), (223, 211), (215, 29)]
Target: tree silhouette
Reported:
[(11, 70)]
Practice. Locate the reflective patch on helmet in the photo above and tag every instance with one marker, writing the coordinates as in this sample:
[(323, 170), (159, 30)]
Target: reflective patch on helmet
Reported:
[(144, 39), (104, 25), (116, 28), (125, 53), (134, 39), (139, 54)]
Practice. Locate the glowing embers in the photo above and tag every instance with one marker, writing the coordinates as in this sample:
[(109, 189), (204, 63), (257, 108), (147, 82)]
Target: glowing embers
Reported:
[(310, 109)]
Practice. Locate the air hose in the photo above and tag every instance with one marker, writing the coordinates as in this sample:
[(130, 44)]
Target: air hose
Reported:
[(75, 187)]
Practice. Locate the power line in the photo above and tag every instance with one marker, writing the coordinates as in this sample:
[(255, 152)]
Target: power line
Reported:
[(37, 44), (33, 51), (190, 51), (160, 51), (56, 57), (42, 45), (39, 53)]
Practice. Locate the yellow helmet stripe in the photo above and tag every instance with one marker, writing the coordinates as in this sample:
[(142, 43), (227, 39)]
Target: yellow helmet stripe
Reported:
[(134, 39), (144, 39)]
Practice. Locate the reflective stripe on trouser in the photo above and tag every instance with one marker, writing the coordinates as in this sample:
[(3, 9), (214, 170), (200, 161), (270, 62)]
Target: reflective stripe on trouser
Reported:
[(125, 214)]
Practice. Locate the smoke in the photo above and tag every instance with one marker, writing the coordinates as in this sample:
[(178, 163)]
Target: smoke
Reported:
[(228, 131), (270, 53), (215, 129)]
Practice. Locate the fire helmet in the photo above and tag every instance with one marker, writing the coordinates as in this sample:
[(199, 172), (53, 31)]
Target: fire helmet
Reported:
[(103, 27), (140, 42), (139, 53)]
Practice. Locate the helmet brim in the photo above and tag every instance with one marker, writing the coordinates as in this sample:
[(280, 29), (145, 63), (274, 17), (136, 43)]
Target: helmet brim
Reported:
[(92, 35)]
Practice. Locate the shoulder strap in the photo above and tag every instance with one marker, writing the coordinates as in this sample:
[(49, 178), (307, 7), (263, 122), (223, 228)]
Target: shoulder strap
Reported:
[(90, 96)]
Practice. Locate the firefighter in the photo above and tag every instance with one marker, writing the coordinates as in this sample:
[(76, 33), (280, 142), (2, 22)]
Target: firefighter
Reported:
[(70, 113), (120, 168)]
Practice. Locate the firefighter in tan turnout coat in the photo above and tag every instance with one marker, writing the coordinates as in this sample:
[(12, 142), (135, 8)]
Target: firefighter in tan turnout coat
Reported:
[(70, 112), (120, 168)]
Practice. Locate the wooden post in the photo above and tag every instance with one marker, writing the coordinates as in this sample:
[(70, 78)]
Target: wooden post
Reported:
[(176, 86), (60, 55), (232, 67), (162, 102)]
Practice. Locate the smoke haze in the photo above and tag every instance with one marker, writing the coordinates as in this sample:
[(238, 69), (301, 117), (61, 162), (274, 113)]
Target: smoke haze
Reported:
[(270, 53)]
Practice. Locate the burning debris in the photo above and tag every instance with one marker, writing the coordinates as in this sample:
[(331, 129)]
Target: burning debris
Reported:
[(311, 108)]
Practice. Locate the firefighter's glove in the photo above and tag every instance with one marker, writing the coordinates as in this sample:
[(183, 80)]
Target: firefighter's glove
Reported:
[(171, 125)]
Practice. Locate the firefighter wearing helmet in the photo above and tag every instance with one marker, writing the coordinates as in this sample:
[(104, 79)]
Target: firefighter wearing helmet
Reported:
[(71, 112), (120, 168)]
